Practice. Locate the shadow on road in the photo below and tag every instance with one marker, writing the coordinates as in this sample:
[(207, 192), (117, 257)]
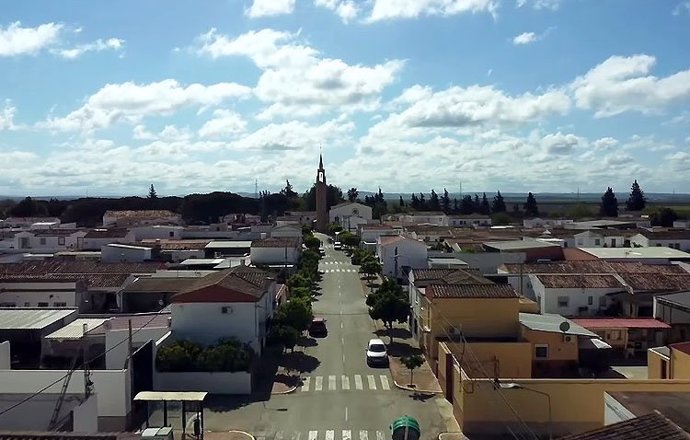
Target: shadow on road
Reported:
[(299, 361), (307, 341), (399, 333), (399, 349), (422, 397)]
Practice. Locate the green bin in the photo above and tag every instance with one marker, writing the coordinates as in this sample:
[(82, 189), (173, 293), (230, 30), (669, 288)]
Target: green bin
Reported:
[(405, 428)]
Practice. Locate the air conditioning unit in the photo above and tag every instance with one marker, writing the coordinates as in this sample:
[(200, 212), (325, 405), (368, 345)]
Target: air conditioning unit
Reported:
[(226, 310)]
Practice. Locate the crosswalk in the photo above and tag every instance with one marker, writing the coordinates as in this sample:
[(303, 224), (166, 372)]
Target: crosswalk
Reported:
[(342, 382), (329, 434), (338, 270), (336, 262)]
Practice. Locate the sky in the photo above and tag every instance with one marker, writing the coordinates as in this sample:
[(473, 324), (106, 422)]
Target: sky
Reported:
[(106, 98)]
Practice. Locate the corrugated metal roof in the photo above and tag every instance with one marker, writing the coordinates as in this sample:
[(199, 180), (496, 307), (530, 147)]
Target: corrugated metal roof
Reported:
[(32, 319), (551, 323), (75, 329)]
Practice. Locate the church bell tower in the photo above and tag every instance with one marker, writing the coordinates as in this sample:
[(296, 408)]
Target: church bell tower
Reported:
[(321, 198)]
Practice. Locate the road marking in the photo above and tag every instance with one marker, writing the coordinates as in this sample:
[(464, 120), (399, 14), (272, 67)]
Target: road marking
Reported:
[(363, 435), (346, 414), (279, 435), (372, 382), (260, 437), (342, 324), (319, 383), (343, 358), (330, 435), (358, 381), (384, 383), (347, 434), (331, 383), (313, 435), (305, 383), (379, 435), (346, 385), (296, 435)]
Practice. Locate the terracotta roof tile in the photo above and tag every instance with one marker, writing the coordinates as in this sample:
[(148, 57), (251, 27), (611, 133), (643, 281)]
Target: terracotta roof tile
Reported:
[(653, 426), (682, 347), (471, 291), (667, 235), (447, 276), (603, 323), (238, 284), (580, 281), (657, 282), (292, 242), (107, 233)]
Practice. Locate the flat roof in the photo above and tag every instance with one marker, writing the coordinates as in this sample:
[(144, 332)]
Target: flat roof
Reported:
[(75, 329), (229, 244), (637, 253), (168, 396), (201, 261), (674, 405), (127, 246), (551, 323), (31, 319), (519, 244)]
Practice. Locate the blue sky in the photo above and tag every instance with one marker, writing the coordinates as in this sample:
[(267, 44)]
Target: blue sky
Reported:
[(409, 95)]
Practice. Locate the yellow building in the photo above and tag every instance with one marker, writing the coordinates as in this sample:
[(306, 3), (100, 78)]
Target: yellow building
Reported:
[(672, 362)]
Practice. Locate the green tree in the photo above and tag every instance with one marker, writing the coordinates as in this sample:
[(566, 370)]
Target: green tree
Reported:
[(445, 202), (501, 219), (498, 204), (609, 204), (663, 216), (412, 362), (580, 211), (284, 335), (388, 304), (531, 208), (636, 201), (484, 207), (349, 239), (334, 195), (152, 193), (370, 267), (434, 204), (466, 205), (295, 313), (401, 202), (179, 356), (352, 194), (359, 255), (333, 228), (29, 208), (312, 242), (288, 191)]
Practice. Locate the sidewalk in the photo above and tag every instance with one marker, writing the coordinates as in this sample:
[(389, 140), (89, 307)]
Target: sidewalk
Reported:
[(229, 435)]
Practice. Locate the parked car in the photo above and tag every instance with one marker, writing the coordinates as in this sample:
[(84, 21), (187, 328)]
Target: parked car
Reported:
[(337, 246), (377, 354), (318, 327)]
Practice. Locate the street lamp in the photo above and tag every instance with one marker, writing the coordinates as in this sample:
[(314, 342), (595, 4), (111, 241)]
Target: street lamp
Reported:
[(517, 386)]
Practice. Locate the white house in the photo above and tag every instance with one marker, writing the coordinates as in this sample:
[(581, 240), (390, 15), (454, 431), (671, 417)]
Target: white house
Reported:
[(159, 232), (672, 239), (469, 221), (349, 215), (398, 252), (49, 240), (26, 222), (276, 251), (681, 224), (141, 218), (431, 218), (95, 239), (37, 291), (231, 303), (286, 231), (609, 238), (538, 223), (574, 295), (145, 327), (370, 233), (125, 253)]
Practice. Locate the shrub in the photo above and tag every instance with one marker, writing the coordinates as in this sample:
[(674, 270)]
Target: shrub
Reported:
[(228, 354)]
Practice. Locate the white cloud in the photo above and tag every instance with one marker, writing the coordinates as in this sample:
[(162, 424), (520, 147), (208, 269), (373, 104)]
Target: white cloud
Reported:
[(622, 84), (540, 4), (268, 8), (224, 123), (296, 81), (559, 143), (682, 8), (605, 143), (131, 102), (18, 40), (7, 117), (525, 38), (115, 44), (397, 9), (347, 10), (295, 136)]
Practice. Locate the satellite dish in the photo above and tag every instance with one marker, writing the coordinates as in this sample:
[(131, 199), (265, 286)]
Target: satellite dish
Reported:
[(564, 326)]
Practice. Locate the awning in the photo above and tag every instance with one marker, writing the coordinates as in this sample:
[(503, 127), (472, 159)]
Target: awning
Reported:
[(171, 396), (592, 343)]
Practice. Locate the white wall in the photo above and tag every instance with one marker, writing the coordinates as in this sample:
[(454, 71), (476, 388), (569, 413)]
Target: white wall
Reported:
[(5, 356), (274, 255), (577, 297), (35, 414), (287, 232), (216, 383), (115, 357), (670, 315), (371, 235), (157, 232), (98, 243), (86, 416), (21, 294), (411, 253), (116, 254), (466, 222), (351, 209)]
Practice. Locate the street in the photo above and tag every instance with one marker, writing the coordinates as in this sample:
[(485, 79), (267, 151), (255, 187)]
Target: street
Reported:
[(341, 397)]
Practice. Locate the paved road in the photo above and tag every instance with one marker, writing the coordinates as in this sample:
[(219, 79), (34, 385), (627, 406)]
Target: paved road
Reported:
[(342, 398)]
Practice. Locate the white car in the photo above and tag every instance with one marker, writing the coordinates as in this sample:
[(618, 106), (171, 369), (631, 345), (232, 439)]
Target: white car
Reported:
[(377, 354), (337, 246)]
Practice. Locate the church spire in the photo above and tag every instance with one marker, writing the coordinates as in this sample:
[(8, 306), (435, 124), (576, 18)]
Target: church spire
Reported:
[(320, 161)]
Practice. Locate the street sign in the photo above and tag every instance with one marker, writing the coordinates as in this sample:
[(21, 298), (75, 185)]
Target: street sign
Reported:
[(405, 428)]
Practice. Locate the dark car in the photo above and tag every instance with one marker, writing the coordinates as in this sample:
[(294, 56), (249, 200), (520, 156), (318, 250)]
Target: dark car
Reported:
[(318, 327)]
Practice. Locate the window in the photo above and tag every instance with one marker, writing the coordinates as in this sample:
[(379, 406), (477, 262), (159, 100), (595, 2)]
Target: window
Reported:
[(541, 351), (8, 304), (43, 304), (42, 241), (590, 300), (563, 301), (61, 241), (597, 242), (602, 301), (59, 304), (613, 242), (172, 234), (658, 245)]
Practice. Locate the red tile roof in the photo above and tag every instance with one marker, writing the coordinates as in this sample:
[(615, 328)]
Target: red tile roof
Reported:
[(603, 323), (681, 346), (425, 277), (239, 284), (652, 426), (107, 233), (277, 242), (580, 281), (471, 291)]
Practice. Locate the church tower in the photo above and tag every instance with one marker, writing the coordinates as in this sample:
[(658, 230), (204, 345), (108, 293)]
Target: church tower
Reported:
[(321, 198)]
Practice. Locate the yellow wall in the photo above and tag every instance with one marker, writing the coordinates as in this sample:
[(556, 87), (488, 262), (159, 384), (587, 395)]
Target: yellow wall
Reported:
[(478, 317), (559, 349), (576, 404), (655, 363), (512, 358), (615, 337), (680, 365), (528, 306)]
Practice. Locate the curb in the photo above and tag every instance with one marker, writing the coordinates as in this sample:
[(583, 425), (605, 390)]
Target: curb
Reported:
[(243, 432), (288, 391), (458, 434), (409, 388)]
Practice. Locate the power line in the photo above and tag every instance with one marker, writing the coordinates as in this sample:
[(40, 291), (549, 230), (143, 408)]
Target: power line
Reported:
[(467, 349), (42, 390)]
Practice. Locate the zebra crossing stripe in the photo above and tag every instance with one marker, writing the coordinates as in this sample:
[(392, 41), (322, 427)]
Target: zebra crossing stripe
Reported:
[(305, 383), (363, 435), (358, 381), (384, 383), (346, 382), (372, 382), (347, 434), (313, 435), (299, 434), (331, 383), (379, 435), (330, 435), (319, 383), (279, 435)]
